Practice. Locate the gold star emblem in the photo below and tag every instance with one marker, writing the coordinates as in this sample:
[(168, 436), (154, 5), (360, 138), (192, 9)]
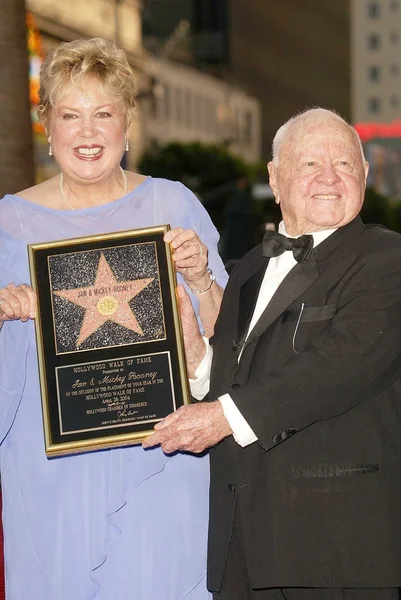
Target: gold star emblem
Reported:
[(106, 300)]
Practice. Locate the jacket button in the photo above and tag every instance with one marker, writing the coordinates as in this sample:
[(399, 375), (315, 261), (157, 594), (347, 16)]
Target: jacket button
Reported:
[(276, 438), (234, 345)]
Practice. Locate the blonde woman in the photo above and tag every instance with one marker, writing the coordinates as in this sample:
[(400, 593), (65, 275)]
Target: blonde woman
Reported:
[(122, 523)]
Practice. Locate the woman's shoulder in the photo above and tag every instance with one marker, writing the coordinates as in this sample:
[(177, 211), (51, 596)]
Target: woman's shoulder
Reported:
[(176, 187), (175, 198), (40, 193)]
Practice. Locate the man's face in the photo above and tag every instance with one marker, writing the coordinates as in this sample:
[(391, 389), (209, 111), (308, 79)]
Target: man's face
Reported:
[(320, 179)]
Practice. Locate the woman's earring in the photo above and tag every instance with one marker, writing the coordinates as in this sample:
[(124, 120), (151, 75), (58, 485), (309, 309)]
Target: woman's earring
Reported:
[(126, 145), (50, 150)]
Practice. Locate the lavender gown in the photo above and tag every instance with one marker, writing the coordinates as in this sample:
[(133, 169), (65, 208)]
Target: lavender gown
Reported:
[(114, 524)]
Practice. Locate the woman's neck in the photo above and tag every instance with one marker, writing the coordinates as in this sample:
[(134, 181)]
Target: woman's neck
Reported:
[(48, 192), (76, 195)]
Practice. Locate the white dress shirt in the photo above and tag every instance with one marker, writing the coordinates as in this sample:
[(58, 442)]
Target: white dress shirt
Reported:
[(277, 269)]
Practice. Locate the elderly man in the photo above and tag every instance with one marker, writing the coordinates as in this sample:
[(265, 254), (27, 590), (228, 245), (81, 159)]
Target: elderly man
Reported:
[(304, 406)]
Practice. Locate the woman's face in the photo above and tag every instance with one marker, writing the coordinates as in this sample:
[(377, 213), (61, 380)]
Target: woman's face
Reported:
[(87, 134)]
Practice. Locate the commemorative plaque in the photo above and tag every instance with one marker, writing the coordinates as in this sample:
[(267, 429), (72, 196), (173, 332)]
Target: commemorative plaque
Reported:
[(110, 349)]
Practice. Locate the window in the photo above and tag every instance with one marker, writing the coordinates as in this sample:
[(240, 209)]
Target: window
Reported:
[(167, 102), (374, 105), (206, 118), (236, 125), (394, 5), (394, 37), (198, 112), (373, 41), (373, 10), (188, 108), (178, 105), (394, 101), (394, 70), (205, 115), (374, 73), (212, 117)]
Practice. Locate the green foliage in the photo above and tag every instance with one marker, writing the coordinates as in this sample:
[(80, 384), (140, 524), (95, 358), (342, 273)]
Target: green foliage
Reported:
[(380, 209), (202, 167), (209, 170)]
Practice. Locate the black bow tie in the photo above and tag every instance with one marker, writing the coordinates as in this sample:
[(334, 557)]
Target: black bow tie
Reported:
[(275, 243)]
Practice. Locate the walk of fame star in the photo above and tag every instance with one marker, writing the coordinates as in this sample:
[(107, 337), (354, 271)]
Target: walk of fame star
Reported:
[(106, 300)]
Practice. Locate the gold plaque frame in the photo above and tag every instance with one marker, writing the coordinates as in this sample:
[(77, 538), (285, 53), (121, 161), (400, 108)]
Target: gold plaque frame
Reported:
[(110, 349)]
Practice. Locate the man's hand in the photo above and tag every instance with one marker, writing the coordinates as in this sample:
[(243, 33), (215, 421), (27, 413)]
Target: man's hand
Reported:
[(191, 428), (193, 341)]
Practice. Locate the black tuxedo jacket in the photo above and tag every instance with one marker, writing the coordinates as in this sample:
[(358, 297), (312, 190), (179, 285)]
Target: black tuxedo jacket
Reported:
[(319, 382)]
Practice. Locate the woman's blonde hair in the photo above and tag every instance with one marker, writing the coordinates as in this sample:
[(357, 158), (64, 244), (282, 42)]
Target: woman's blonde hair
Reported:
[(74, 63)]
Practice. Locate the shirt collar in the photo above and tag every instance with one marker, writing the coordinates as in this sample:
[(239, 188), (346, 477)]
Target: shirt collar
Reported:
[(318, 236)]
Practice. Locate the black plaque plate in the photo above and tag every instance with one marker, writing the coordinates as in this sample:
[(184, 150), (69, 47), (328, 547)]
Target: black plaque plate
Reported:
[(110, 350)]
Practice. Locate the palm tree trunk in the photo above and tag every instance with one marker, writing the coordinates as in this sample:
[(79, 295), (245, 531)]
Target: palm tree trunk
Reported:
[(16, 143)]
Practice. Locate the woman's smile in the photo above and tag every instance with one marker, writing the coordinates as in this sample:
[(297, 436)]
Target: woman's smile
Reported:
[(89, 152)]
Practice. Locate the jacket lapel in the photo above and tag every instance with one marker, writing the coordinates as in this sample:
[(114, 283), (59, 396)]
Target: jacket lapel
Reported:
[(301, 277), (248, 296)]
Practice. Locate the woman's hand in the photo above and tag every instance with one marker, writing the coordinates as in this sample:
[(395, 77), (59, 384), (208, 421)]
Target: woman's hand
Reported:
[(17, 302), (189, 255)]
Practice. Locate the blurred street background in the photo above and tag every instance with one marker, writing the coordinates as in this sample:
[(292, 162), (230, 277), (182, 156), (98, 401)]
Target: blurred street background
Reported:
[(216, 78)]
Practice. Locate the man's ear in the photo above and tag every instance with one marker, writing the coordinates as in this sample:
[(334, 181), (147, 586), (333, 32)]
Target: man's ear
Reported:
[(366, 165), (272, 169)]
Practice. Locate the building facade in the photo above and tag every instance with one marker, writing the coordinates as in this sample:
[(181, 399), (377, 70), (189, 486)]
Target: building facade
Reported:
[(189, 106), (175, 102), (376, 60), (289, 54), (376, 89)]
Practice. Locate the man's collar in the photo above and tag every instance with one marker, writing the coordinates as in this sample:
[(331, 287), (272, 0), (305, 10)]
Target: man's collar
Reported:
[(318, 236)]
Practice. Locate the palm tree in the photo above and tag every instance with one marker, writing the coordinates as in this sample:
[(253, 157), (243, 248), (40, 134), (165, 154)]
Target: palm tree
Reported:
[(16, 143)]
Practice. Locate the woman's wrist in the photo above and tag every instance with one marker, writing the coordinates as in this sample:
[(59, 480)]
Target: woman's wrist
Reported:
[(202, 285)]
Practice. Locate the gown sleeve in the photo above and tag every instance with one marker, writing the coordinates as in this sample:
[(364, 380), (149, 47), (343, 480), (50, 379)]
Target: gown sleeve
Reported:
[(15, 339)]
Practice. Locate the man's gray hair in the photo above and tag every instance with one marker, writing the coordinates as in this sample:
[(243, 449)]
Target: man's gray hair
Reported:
[(311, 114)]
